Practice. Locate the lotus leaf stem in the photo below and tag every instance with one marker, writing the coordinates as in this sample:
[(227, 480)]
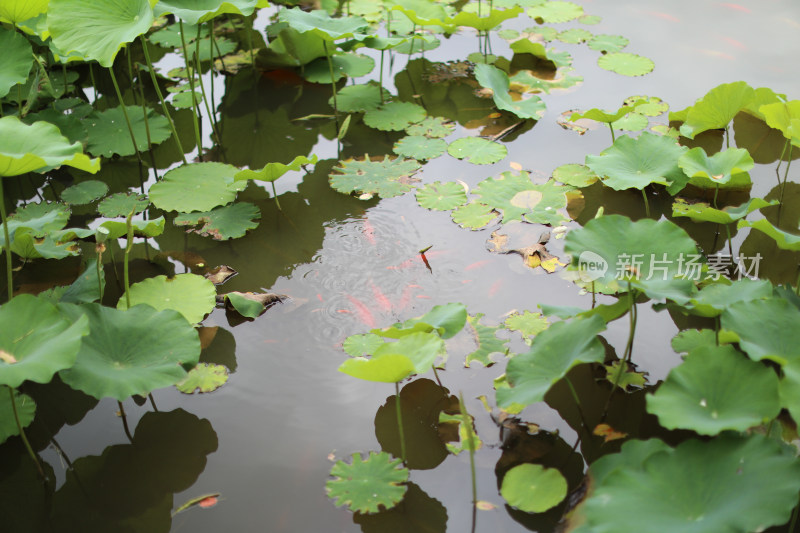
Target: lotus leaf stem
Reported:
[(249, 33), (6, 244), (275, 195), (128, 247), (465, 420), (195, 107), (23, 436), (124, 421), (400, 422), (794, 519), (646, 204), (91, 77), (577, 401), (211, 116), (436, 374), (124, 110), (161, 97), (333, 88), (146, 119), (152, 402), (611, 129), (380, 77), (786, 144)]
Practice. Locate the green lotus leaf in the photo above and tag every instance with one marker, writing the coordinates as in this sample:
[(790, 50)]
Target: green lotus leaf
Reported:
[(590, 19), (15, 11), (186, 99), (440, 196), (38, 219), (387, 178), (715, 389), (553, 353), (358, 345), (391, 368), (446, 319), (273, 171), (488, 343), (520, 199), (779, 115), (473, 215), (650, 253), (574, 36), (394, 116), (141, 228), (36, 341), (767, 329), (196, 187), (420, 348), (689, 339), (575, 175), (556, 11), (419, 147), (70, 125), (84, 192), (707, 172), (191, 295), (607, 43), (38, 147), (533, 488), (417, 44), (488, 22), (344, 65), (789, 388), (784, 240), (528, 324), (545, 33), (109, 135), (85, 288), (368, 485), (526, 46), (434, 127), (97, 29), (359, 98), (631, 122), (713, 299), (467, 438), (323, 25), (199, 11), (25, 410), (495, 79), (602, 115), (477, 150), (130, 352), (626, 64), (17, 60), (222, 223), (170, 36), (122, 204), (649, 106), (205, 377), (374, 41), (702, 212), (717, 108), (636, 163), (697, 487)]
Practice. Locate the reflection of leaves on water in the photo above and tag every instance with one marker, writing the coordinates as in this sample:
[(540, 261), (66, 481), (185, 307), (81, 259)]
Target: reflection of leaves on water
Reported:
[(417, 512)]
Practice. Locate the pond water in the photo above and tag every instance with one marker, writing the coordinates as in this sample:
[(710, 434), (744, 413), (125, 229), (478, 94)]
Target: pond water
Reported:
[(266, 439)]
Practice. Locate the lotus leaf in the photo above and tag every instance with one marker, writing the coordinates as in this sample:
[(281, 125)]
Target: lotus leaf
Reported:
[(417, 44), (789, 388), (575, 175), (394, 116), (553, 353), (197, 12), (97, 29), (574, 36), (26, 410), (784, 240), (85, 288), (487, 341), (17, 60), (689, 339), (556, 11), (170, 35), (520, 199), (767, 329), (474, 215), (699, 486), (708, 172), (84, 192), (636, 163), (38, 219), (430, 17), (650, 106), (495, 79), (467, 438), (620, 374), (131, 352), (36, 341), (122, 204), (440, 196), (191, 295), (446, 319), (434, 127), (344, 65), (717, 108), (607, 43), (367, 485), (391, 368), (716, 389), (780, 115), (702, 212), (273, 171), (108, 131), (387, 178), (359, 98), (601, 115), (358, 345), (222, 223), (533, 488), (626, 64), (247, 307), (38, 147), (477, 150), (631, 122), (653, 253), (713, 299), (488, 22), (15, 11), (196, 187), (528, 324), (420, 348), (323, 25), (419, 147), (205, 377)]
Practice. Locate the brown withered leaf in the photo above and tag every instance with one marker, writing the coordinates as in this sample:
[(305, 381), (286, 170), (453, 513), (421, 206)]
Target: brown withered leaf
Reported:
[(608, 433), (534, 255), (267, 299), (220, 274)]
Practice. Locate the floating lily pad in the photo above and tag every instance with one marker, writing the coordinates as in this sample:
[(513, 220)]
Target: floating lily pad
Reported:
[(39, 219), (533, 488), (590, 19), (440, 196), (368, 485), (359, 98), (575, 175), (387, 178), (477, 151), (84, 193), (636, 163), (394, 116), (417, 44), (715, 389), (109, 135), (717, 170), (717, 108), (474, 215), (435, 127), (631, 122), (649, 106), (555, 11), (191, 295), (767, 329), (495, 79), (607, 43), (419, 147), (574, 36), (122, 204), (528, 324), (447, 320), (344, 65), (17, 60), (25, 410), (626, 64), (205, 377), (487, 341), (36, 341), (553, 352), (196, 187), (223, 223), (520, 199), (197, 12), (703, 212), (359, 345), (131, 352)]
